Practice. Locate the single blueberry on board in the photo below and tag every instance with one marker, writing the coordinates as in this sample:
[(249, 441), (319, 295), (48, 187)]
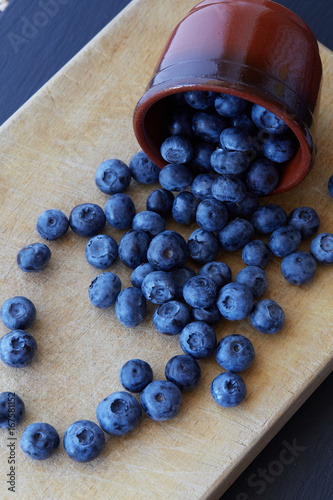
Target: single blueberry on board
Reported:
[(198, 339), (175, 177), (218, 271), (235, 301), (135, 374), (143, 169), (12, 409), (160, 201), (208, 126), (267, 121), (229, 187), (184, 371), (321, 248), (119, 413), (228, 389), (112, 176), (132, 249), (267, 316), (161, 400), (139, 274), (256, 253), (150, 222), (236, 234), (299, 267), (267, 218), (131, 307), (87, 219), (18, 313), (33, 257), (176, 149), (171, 317), (255, 278), (235, 353), (203, 246), (167, 251), (199, 99), (104, 289), (284, 240), (158, 287), (52, 224), (305, 219), (17, 348), (212, 215), (229, 105), (101, 251), (39, 441), (84, 441), (119, 211), (184, 208), (262, 177), (200, 291)]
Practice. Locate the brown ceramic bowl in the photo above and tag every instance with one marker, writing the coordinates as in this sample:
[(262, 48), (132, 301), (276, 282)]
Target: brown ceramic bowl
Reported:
[(255, 49)]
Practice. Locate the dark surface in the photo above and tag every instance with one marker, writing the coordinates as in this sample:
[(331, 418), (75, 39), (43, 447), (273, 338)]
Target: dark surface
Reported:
[(29, 57)]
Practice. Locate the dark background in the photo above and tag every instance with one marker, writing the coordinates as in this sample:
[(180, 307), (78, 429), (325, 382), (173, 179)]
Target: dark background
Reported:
[(29, 57)]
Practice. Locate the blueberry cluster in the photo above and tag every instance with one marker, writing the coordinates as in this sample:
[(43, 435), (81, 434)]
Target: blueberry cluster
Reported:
[(223, 154)]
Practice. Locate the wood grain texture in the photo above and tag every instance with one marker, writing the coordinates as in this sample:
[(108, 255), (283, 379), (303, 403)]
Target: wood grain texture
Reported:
[(49, 151)]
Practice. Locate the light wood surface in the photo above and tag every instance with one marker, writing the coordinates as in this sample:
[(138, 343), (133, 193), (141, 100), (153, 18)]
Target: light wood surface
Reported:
[(49, 151)]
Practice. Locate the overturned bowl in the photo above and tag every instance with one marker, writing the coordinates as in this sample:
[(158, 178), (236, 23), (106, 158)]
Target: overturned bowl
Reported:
[(254, 49)]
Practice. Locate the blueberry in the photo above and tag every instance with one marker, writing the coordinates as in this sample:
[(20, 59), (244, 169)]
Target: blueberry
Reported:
[(267, 218), (202, 151), (33, 257), (149, 222), (133, 248), (228, 389), (184, 208), (39, 441), (235, 301), (119, 413), (161, 400), (198, 340), (142, 169), (230, 162), (244, 122), (12, 410), (17, 348), (321, 248), (235, 353), (167, 251), (255, 278), (228, 188), (179, 122), (113, 176), (267, 121), (119, 211), (131, 307), (218, 271), (158, 287), (101, 251), (184, 371), (170, 318), (199, 99), (279, 148), (176, 149), (229, 105), (330, 186), (236, 234), (305, 219), (210, 315), (208, 126), (160, 201), (246, 207), (203, 246), (234, 139), (284, 240), (256, 253), (87, 219), (200, 291), (84, 441), (18, 313), (211, 215), (104, 289), (135, 374), (299, 267), (267, 316), (139, 274), (201, 186), (175, 177), (180, 277), (262, 177), (52, 224)]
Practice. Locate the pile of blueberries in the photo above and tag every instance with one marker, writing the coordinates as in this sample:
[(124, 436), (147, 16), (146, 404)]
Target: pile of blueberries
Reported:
[(223, 154)]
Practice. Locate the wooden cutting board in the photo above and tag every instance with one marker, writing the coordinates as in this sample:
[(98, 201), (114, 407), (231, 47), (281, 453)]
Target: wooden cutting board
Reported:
[(49, 151)]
